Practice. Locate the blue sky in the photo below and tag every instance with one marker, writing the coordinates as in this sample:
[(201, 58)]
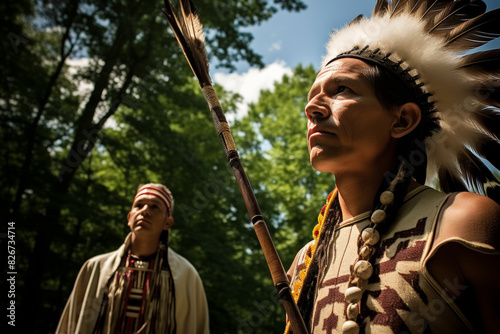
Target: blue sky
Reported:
[(288, 39), (300, 37)]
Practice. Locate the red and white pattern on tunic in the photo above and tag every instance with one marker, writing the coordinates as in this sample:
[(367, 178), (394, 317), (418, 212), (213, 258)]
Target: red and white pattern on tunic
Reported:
[(393, 297), (401, 296)]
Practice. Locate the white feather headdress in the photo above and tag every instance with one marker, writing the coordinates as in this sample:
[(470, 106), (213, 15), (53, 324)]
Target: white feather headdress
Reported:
[(424, 42)]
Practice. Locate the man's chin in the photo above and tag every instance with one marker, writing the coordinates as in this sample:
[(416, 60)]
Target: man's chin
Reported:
[(139, 229), (319, 163), (325, 159), (144, 228)]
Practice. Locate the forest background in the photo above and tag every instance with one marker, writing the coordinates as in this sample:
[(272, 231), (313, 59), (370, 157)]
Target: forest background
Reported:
[(77, 141), (97, 98)]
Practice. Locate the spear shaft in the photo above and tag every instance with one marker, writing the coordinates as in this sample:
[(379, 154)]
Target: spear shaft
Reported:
[(188, 30), (273, 260)]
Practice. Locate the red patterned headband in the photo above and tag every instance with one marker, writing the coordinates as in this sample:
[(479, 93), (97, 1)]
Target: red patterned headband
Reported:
[(159, 191)]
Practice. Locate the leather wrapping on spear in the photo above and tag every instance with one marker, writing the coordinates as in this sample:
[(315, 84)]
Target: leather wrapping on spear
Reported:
[(189, 33)]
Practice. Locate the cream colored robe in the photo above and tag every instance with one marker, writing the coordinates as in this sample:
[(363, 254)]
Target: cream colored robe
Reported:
[(82, 309)]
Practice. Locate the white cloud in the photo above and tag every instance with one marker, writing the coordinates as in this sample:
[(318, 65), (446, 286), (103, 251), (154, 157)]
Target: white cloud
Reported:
[(247, 84), (250, 83), (275, 46)]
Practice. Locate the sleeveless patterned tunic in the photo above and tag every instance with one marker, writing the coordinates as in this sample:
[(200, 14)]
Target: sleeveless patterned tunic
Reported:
[(401, 297)]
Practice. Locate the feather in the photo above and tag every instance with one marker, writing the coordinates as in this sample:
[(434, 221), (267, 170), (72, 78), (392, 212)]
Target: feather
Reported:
[(195, 29), (396, 7), (488, 93), (417, 8), (488, 148), (492, 190), (356, 19), (433, 7), (481, 65), (456, 13), (449, 182), (380, 8), (489, 121), (475, 171), (475, 32), (189, 33)]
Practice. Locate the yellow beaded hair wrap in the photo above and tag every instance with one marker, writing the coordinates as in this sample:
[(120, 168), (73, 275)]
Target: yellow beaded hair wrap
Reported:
[(297, 285)]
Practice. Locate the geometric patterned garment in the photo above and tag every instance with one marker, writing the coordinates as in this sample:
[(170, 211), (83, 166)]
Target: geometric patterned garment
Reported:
[(398, 294), (139, 275)]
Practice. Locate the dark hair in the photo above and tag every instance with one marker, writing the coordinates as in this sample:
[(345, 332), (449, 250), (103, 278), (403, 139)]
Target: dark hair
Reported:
[(391, 92)]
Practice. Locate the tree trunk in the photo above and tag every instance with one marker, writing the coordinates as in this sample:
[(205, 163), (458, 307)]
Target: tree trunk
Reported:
[(31, 140), (84, 140)]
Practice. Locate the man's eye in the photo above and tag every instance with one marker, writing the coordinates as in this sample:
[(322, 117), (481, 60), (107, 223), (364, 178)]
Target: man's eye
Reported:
[(340, 89)]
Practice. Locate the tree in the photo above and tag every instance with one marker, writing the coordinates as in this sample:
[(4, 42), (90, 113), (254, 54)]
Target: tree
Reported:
[(55, 143)]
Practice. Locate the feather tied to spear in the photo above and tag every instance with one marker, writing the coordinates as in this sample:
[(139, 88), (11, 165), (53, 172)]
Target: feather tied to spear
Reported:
[(188, 30)]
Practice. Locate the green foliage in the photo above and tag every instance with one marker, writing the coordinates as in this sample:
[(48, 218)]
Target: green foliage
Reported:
[(280, 170)]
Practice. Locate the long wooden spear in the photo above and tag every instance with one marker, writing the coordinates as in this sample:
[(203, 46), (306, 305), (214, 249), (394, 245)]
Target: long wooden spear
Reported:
[(188, 30)]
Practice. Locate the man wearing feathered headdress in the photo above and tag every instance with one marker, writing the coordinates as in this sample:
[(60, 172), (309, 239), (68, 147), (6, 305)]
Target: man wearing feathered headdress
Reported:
[(396, 106), (144, 286)]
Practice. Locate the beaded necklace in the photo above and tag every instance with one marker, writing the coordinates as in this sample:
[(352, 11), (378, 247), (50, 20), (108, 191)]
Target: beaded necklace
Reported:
[(362, 268)]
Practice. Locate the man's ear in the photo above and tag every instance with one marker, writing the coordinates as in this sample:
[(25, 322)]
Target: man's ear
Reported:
[(169, 222), (128, 218), (408, 116)]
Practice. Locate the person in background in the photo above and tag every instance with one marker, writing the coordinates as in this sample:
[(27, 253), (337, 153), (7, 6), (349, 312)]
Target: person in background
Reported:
[(144, 286)]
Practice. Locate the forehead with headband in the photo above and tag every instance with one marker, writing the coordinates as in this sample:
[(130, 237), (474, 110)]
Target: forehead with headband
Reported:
[(157, 190)]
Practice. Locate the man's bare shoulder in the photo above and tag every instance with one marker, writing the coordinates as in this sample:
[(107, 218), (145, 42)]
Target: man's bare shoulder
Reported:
[(471, 217)]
